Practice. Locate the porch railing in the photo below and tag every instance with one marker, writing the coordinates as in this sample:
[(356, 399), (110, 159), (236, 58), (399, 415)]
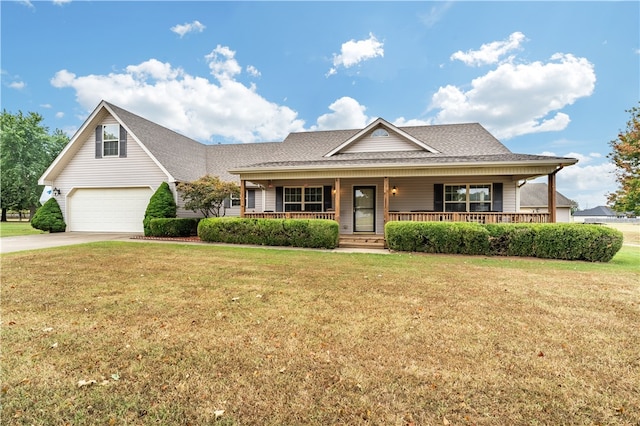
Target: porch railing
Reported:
[(492, 217), (292, 215), (484, 217)]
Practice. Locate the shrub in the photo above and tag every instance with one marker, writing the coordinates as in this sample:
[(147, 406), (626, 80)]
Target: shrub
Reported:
[(593, 243), (553, 241), (49, 217), (161, 205), (511, 239), (437, 237), (271, 232), (173, 227)]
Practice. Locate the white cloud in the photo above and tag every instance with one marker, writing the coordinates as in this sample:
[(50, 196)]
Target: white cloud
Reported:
[(48, 106), (194, 106), (347, 114), (588, 182), (403, 122), (27, 3), (61, 2), (518, 99), (18, 85), (222, 63), (193, 27), (490, 53), (59, 114), (253, 71), (435, 14), (354, 52)]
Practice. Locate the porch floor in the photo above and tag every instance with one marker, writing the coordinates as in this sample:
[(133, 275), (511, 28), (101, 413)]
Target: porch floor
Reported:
[(371, 241)]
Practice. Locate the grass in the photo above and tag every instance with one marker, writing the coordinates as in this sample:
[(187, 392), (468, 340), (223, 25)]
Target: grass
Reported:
[(174, 334), (16, 228), (631, 231)]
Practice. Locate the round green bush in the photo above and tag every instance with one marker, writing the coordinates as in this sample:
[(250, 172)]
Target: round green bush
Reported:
[(161, 205), (49, 217)]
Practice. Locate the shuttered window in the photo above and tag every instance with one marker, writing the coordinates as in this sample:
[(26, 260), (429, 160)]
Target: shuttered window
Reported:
[(111, 141), (467, 198)]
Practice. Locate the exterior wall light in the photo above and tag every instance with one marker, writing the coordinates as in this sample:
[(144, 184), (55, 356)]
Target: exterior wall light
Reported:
[(394, 191), (56, 191)]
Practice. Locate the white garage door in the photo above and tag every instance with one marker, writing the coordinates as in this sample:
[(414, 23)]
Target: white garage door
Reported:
[(108, 209)]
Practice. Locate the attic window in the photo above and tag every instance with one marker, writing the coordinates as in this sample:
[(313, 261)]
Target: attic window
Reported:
[(380, 133), (111, 139)]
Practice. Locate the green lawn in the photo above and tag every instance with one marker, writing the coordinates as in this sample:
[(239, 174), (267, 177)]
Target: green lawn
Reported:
[(142, 333), (15, 228)]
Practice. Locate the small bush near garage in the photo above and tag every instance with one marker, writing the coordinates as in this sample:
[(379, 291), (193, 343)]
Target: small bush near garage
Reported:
[(161, 205), (173, 227), (591, 243), (49, 217), (437, 237), (314, 233)]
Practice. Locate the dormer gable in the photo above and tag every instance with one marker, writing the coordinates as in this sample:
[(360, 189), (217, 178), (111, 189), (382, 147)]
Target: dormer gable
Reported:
[(380, 136)]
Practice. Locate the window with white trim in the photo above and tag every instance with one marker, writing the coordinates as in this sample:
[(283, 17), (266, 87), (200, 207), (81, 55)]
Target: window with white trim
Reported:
[(300, 199), (467, 198), (110, 140), (380, 133), (235, 200)]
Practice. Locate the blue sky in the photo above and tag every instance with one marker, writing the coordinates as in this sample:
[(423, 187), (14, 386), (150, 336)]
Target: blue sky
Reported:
[(543, 77)]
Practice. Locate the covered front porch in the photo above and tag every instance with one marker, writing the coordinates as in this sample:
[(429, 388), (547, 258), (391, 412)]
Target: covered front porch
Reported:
[(365, 205)]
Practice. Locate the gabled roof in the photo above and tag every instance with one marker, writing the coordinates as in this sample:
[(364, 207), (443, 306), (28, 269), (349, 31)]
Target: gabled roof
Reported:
[(536, 195), (596, 211), (380, 124), (184, 159)]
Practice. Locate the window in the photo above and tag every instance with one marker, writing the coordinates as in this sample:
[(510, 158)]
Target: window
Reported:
[(297, 199), (467, 198), (380, 133), (110, 139), (235, 201)]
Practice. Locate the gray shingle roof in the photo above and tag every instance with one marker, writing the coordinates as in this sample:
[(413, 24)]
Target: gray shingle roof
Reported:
[(409, 158), (596, 211), (183, 157), (187, 159), (536, 195)]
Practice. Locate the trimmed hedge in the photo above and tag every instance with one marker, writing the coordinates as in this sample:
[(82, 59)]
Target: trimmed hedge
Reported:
[(437, 237), (270, 232), (173, 227), (591, 243)]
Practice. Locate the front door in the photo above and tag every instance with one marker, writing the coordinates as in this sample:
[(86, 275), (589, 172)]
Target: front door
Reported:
[(364, 211)]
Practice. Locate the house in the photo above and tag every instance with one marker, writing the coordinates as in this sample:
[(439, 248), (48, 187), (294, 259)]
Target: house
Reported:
[(534, 198), (596, 214), (361, 178)]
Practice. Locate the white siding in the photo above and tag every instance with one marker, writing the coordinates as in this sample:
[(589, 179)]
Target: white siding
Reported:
[(393, 142), (86, 171)]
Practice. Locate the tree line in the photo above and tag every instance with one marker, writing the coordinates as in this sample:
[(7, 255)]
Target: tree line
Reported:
[(27, 148)]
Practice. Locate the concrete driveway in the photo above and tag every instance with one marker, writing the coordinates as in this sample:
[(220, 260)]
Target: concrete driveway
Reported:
[(40, 241)]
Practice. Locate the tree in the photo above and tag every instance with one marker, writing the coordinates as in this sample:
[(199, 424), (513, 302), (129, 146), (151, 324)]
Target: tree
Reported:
[(26, 150), (207, 194), (161, 205), (49, 217), (626, 158)]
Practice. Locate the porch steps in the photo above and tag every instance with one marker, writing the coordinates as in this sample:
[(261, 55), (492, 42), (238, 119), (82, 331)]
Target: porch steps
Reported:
[(369, 241)]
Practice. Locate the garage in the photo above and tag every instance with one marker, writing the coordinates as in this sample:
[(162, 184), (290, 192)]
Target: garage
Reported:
[(107, 209)]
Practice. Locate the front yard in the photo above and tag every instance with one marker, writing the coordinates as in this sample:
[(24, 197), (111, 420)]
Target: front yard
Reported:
[(137, 333)]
